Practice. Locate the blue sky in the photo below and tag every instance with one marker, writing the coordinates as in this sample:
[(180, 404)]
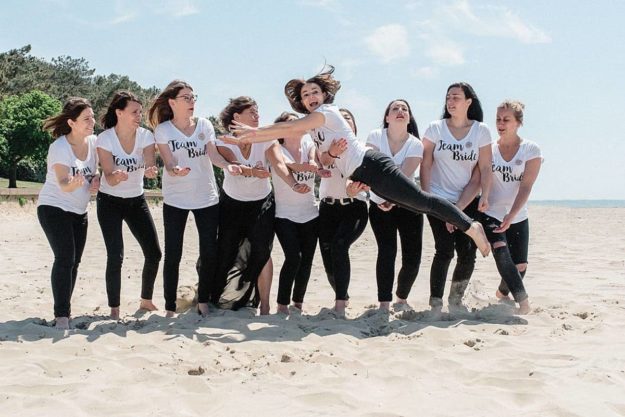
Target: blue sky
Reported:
[(563, 59)]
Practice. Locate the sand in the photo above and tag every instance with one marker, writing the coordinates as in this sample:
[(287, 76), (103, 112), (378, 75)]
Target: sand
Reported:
[(566, 358)]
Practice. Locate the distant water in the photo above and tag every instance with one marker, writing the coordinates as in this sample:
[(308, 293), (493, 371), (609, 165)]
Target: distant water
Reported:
[(579, 203)]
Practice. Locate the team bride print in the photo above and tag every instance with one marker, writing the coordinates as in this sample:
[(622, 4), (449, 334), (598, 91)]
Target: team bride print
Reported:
[(458, 152), (131, 164), (506, 173), (192, 147)]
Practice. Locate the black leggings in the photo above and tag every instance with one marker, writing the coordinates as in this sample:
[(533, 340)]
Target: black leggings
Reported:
[(67, 235), (385, 178), (298, 241), (386, 225), (339, 227), (445, 243), (112, 211), (245, 242), (206, 222), (516, 240)]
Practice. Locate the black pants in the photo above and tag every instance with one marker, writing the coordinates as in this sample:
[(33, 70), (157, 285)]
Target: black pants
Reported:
[(514, 252), (245, 242), (67, 235), (445, 243), (385, 178), (386, 225), (339, 227), (298, 241), (206, 222), (112, 211)]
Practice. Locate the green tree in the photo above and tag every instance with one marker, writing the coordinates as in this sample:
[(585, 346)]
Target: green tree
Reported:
[(21, 117)]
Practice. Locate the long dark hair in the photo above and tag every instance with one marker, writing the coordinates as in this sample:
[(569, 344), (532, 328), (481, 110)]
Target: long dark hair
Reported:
[(475, 109), (71, 110), (325, 80), (343, 109), (119, 102), (161, 111), (413, 129), (283, 118)]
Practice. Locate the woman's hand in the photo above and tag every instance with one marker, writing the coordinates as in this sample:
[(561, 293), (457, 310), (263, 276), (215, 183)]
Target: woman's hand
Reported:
[(234, 170), (337, 147), (505, 224), (324, 173), (300, 188), (450, 227), (151, 172), (242, 131), (355, 187), (386, 206), (94, 184), (482, 206), (179, 172), (119, 176)]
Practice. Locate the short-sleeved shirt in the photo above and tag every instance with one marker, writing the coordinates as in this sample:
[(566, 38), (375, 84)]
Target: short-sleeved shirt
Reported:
[(197, 189), (335, 128), (51, 194), (454, 159), (507, 177), (291, 205), (413, 148), (132, 162), (248, 188)]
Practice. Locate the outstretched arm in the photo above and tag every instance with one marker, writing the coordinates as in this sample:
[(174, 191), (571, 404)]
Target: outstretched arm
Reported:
[(246, 134)]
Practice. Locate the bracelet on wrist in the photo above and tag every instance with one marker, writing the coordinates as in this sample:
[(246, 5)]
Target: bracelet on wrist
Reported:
[(333, 156)]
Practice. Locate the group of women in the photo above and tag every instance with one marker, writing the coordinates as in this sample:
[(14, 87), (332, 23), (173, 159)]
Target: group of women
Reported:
[(473, 190)]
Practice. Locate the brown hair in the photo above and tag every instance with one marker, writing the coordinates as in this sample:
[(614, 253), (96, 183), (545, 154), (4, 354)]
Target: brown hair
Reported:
[(73, 107), (161, 111), (516, 106), (343, 109), (325, 80), (119, 102), (283, 118), (236, 105)]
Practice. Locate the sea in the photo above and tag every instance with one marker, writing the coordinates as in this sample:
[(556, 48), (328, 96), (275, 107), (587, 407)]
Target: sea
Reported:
[(579, 203)]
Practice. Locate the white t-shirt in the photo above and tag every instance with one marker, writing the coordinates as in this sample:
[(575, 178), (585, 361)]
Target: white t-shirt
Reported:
[(198, 189), (132, 162), (413, 148), (335, 186), (60, 152), (507, 178), (454, 159), (335, 127), (248, 188), (299, 208)]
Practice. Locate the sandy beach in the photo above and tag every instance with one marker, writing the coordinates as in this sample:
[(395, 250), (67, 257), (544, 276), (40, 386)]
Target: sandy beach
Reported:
[(566, 358)]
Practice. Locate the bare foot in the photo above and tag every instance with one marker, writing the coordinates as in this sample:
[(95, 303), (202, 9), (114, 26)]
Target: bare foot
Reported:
[(147, 305), (339, 307), (524, 307), (385, 305), (476, 232), (115, 313), (283, 309), (501, 296), (202, 309), (170, 314), (264, 309), (62, 323)]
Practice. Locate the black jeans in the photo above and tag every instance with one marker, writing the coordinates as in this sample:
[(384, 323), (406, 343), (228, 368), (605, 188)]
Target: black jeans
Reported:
[(298, 241), (514, 252), (246, 230), (385, 178), (112, 211), (445, 243), (67, 235), (206, 222), (386, 225), (339, 227)]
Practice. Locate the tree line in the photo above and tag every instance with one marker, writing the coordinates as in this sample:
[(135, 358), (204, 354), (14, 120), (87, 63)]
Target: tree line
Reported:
[(33, 89)]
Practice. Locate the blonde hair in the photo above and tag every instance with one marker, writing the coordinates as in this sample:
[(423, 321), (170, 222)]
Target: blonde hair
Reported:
[(516, 106)]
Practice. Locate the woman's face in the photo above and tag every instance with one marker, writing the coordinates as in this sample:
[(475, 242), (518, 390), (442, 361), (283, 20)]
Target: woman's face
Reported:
[(349, 120), (131, 115), (312, 96), (248, 116), (507, 124), (457, 103), (398, 114), (183, 105), (84, 124)]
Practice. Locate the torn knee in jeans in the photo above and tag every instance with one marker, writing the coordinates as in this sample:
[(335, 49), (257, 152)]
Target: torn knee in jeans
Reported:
[(499, 244), (521, 267)]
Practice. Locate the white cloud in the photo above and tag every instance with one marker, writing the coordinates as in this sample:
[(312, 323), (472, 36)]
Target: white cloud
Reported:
[(425, 72), (446, 53), (179, 8), (389, 42), (522, 31)]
